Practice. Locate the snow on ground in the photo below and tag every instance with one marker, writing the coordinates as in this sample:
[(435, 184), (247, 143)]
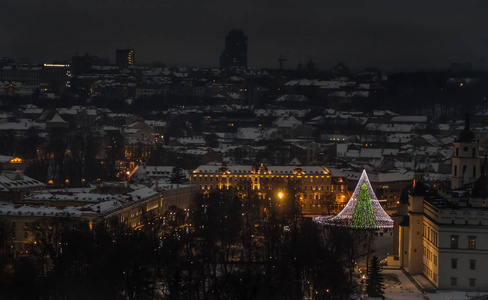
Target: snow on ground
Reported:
[(399, 287)]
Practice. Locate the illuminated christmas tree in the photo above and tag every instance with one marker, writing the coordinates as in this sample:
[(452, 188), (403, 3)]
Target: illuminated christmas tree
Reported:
[(363, 216), (363, 211)]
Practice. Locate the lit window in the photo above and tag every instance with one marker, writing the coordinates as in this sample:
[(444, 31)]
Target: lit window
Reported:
[(454, 241), (471, 242)]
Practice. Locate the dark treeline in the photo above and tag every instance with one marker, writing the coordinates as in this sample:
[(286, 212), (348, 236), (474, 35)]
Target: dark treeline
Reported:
[(226, 247), (66, 157)]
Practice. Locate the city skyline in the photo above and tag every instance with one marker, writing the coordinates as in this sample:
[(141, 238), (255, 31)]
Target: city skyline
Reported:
[(387, 35)]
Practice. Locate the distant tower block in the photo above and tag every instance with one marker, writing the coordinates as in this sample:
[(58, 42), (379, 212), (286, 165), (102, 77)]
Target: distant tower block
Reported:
[(235, 52), (124, 58), (465, 159), (363, 211), (281, 60)]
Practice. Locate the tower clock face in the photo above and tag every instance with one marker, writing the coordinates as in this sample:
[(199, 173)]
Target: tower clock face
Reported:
[(465, 148)]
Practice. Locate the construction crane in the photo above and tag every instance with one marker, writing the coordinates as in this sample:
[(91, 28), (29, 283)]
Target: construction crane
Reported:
[(281, 60)]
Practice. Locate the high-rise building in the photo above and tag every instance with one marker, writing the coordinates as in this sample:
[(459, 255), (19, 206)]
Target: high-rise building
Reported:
[(124, 57), (235, 52)]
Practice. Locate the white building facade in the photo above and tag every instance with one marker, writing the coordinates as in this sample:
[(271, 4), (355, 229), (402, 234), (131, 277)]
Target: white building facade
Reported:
[(445, 237)]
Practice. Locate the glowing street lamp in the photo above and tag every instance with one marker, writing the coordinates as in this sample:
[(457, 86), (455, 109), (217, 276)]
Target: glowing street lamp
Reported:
[(280, 195)]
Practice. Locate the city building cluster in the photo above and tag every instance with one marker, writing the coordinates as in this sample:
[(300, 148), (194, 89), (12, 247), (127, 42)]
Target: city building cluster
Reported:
[(92, 141)]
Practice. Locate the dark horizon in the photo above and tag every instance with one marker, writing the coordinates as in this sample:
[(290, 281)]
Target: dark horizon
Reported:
[(390, 36)]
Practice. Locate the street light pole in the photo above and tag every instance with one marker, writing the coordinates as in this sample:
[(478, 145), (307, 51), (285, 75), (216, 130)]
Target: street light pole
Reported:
[(280, 195)]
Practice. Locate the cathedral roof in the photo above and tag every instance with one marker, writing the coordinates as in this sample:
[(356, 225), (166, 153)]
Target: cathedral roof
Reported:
[(466, 136), (480, 188), (420, 189)]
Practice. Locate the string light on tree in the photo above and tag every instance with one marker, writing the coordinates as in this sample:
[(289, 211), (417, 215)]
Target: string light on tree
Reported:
[(363, 211)]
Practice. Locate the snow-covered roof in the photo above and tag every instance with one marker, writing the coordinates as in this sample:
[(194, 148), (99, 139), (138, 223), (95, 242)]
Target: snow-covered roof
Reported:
[(36, 211), (277, 170), (381, 177), (409, 119), (5, 158), (77, 197), (382, 127), (286, 122), (250, 133), (292, 98), (13, 180), (193, 140), (21, 124), (383, 113), (143, 193), (56, 119)]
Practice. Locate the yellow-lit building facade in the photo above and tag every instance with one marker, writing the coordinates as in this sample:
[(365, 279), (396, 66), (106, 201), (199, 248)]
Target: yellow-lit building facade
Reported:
[(319, 190)]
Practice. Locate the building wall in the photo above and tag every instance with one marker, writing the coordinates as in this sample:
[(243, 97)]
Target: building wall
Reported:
[(465, 164), (453, 245), (430, 252), (156, 206), (463, 255), (315, 190)]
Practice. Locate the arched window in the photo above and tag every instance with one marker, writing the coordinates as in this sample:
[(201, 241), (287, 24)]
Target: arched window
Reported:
[(455, 170)]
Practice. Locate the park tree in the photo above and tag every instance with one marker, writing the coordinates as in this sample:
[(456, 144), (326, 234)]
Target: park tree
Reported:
[(33, 148), (177, 175), (374, 283), (57, 146)]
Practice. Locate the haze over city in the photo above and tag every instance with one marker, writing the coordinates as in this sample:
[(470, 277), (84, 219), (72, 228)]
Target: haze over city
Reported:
[(391, 35)]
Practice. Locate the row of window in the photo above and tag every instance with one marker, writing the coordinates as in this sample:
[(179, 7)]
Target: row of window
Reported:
[(429, 273), (26, 225), (454, 263), (26, 235), (209, 187), (464, 170), (431, 234), (430, 256), (455, 242), (472, 281), (466, 149)]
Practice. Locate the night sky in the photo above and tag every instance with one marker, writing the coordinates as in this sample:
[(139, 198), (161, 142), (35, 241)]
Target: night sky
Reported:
[(393, 34)]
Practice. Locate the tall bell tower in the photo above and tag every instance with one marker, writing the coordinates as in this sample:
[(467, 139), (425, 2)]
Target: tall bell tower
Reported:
[(465, 159)]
